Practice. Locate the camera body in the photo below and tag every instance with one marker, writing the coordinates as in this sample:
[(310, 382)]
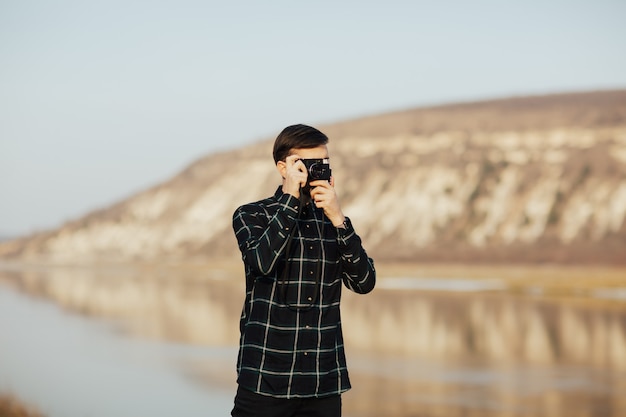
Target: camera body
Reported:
[(318, 169)]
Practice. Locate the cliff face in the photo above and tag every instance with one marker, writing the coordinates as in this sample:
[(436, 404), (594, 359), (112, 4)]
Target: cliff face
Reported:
[(536, 179)]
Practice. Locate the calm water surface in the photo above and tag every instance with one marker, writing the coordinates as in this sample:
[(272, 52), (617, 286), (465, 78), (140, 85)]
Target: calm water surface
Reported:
[(416, 346), (70, 366)]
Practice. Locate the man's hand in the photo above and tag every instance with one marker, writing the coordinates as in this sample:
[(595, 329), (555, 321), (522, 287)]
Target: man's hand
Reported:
[(324, 196), (295, 175)]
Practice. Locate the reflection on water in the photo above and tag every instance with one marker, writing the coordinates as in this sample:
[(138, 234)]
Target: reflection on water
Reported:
[(486, 354), (414, 387), (438, 284), (415, 347), (500, 327), (67, 366), (611, 293), (161, 303)]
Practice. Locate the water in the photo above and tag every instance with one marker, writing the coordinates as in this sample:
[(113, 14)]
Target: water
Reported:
[(69, 366), (416, 346), (438, 284), (387, 386)]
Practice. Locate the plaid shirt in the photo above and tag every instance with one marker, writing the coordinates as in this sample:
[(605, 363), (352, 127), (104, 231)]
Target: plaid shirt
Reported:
[(291, 343)]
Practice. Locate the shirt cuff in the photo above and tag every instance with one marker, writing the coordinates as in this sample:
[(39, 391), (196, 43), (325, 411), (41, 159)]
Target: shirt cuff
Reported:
[(345, 233), (290, 203)]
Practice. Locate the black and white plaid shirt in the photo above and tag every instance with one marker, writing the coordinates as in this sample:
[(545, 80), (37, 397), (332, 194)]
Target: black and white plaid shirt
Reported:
[(291, 342)]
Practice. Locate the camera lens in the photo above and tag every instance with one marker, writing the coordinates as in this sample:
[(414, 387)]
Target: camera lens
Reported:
[(319, 171)]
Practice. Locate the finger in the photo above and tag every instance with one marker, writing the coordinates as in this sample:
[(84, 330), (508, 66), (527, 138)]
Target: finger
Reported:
[(318, 199), (292, 159), (323, 192), (299, 165), (321, 183)]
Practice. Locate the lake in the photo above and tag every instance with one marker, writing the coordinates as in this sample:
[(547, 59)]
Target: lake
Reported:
[(70, 366), (161, 341)]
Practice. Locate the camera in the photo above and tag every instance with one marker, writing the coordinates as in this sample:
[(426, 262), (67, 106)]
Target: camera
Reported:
[(318, 169)]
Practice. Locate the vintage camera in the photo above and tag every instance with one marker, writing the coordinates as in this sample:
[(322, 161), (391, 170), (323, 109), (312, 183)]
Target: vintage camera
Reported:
[(318, 169)]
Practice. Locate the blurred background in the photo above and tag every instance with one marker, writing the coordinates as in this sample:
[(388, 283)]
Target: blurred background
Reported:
[(479, 149)]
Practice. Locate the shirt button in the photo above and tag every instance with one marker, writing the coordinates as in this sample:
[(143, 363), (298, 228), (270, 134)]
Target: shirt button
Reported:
[(310, 272), (306, 353), (311, 247), (308, 225), (307, 327), (310, 298)]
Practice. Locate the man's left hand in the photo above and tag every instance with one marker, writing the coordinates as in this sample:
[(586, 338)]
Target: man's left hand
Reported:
[(324, 196)]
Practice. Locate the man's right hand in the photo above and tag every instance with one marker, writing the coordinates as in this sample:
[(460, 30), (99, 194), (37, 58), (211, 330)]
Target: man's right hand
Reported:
[(295, 175)]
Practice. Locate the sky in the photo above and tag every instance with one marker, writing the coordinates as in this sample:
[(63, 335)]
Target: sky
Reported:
[(102, 99)]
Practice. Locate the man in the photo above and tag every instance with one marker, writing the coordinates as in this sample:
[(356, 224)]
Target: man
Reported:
[(297, 248)]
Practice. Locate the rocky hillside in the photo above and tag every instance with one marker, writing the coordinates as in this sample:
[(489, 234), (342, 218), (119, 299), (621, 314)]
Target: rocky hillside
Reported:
[(530, 179)]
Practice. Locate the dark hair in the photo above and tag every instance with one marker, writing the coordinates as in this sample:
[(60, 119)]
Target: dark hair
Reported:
[(297, 137)]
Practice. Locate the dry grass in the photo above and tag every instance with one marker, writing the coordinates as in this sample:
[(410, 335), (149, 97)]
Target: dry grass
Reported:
[(546, 280)]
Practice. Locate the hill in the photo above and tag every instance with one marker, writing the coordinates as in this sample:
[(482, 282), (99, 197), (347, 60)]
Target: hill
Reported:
[(523, 179)]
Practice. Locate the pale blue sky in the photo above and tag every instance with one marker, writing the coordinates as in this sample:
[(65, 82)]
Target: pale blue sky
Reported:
[(99, 100)]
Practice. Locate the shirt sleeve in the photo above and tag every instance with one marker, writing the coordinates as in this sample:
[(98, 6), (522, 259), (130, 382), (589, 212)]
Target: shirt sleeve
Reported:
[(261, 238), (358, 272)]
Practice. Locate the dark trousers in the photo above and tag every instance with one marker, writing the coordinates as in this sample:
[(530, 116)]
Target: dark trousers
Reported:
[(251, 404)]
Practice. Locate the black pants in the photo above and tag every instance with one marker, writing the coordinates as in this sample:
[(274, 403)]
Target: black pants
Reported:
[(251, 404)]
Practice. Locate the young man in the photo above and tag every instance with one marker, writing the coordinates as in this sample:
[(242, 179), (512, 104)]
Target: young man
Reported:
[(297, 248)]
